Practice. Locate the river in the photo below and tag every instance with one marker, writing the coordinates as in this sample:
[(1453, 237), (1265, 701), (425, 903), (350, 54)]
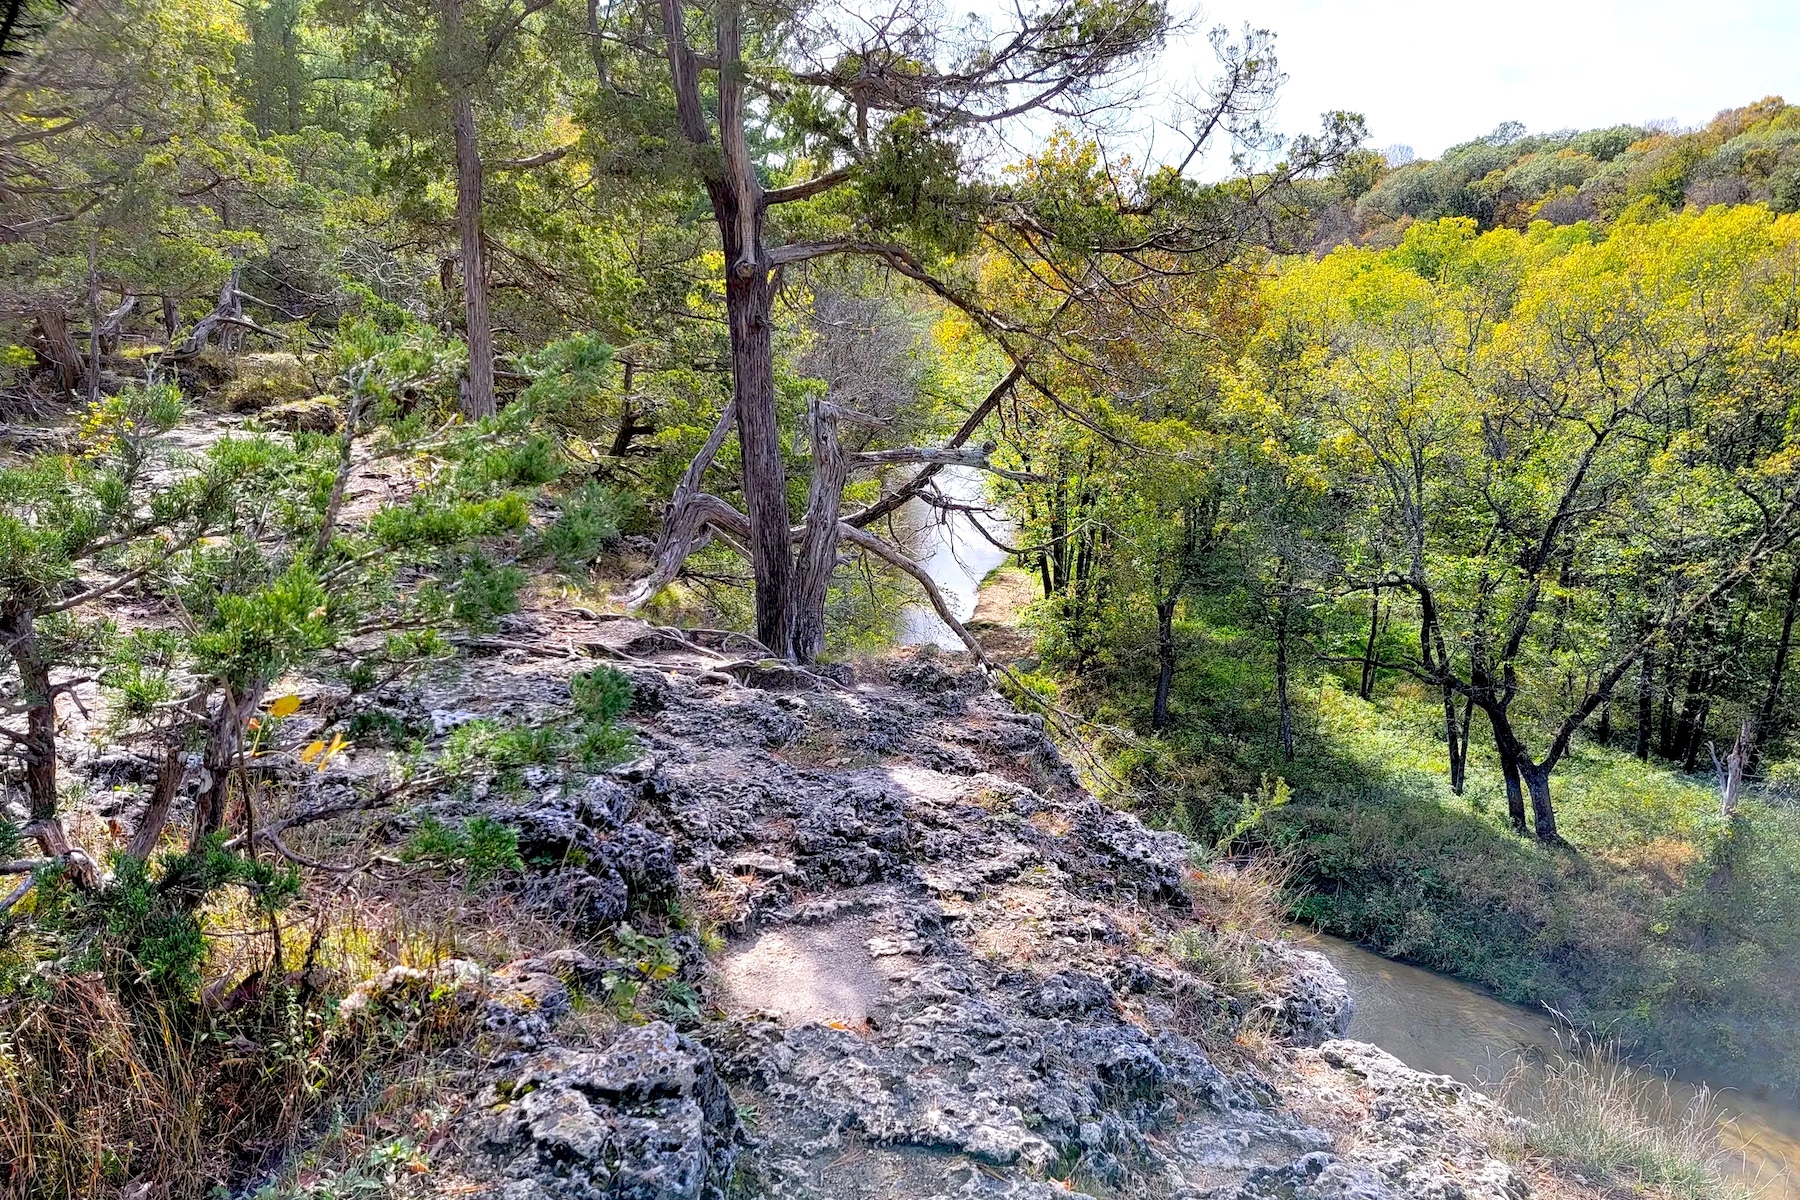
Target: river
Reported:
[(1429, 1021), (950, 547), (1435, 1023)]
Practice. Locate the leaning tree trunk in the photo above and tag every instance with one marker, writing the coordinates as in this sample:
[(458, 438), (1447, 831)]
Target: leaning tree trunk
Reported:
[(1537, 784), (478, 394), (1456, 744), (1765, 716), (1367, 688)]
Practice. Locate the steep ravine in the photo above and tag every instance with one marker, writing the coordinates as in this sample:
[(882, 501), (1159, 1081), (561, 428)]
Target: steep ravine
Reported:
[(947, 970)]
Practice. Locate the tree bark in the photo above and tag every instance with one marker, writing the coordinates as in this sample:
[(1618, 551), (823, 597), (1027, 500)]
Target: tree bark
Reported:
[(1368, 664), (478, 386), (169, 773), (818, 545), (1765, 715), (1645, 695), (749, 304), (1281, 681), (1165, 659), (1688, 723), (19, 631), (225, 738), (1537, 784), (1456, 743), (55, 345), (1666, 739), (736, 197), (94, 336), (1508, 753), (1731, 772)]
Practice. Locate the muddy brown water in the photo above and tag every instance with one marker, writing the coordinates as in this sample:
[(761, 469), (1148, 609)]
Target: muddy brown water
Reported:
[(1434, 1023)]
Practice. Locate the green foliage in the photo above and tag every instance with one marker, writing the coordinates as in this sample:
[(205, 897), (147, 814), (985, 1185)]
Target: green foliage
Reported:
[(481, 847), (586, 736), (485, 592), (601, 695), (587, 524), (143, 928), (647, 981), (1510, 178), (250, 638)]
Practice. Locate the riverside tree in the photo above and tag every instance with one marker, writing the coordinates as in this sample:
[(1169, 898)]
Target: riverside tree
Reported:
[(816, 136), (1572, 450)]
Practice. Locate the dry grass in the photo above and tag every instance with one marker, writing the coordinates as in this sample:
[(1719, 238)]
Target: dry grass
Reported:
[(103, 1085), (1619, 1128), (1236, 908)]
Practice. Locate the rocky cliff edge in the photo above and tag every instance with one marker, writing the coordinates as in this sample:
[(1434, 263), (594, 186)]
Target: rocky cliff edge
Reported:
[(945, 970)]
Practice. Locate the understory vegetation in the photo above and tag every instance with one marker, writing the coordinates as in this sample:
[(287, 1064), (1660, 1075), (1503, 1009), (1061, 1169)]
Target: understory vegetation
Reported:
[(1627, 929), (1618, 1127)]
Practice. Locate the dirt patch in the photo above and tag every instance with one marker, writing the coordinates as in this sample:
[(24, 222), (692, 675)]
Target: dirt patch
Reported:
[(803, 973), (999, 607)]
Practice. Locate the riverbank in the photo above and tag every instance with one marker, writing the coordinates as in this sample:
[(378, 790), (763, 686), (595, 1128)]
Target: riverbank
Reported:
[(1631, 931), (896, 950), (1656, 923), (1437, 1024)]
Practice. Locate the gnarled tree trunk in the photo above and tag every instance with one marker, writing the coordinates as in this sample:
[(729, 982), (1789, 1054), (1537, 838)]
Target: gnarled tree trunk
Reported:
[(55, 345), (224, 741)]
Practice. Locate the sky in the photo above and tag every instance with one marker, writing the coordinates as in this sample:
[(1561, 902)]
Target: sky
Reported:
[(1431, 75)]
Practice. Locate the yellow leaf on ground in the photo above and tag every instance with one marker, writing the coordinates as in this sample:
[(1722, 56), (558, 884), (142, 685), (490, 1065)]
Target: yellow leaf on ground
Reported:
[(285, 706), (311, 752)]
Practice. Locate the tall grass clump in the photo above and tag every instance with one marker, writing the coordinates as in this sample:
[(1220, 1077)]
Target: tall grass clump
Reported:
[(1620, 1128)]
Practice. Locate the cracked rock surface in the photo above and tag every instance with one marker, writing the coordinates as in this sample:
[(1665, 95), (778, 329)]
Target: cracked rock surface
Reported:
[(947, 969)]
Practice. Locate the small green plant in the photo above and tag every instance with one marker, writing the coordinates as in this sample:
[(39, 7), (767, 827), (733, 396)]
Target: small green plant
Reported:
[(1267, 799), (587, 736), (587, 522), (483, 848), (379, 1172), (648, 966)]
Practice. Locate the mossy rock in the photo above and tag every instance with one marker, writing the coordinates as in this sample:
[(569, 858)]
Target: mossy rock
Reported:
[(316, 414), (265, 381)]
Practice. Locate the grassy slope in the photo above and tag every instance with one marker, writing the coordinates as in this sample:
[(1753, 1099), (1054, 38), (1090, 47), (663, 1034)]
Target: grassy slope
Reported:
[(1630, 931)]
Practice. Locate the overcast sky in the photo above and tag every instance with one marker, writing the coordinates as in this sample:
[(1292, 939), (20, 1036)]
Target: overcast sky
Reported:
[(1430, 75)]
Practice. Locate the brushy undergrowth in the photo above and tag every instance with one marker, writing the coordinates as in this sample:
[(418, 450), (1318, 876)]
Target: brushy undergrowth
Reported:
[(180, 1026)]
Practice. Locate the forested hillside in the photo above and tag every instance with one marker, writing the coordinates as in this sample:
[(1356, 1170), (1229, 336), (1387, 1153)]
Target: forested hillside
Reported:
[(1511, 177), (1427, 527)]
